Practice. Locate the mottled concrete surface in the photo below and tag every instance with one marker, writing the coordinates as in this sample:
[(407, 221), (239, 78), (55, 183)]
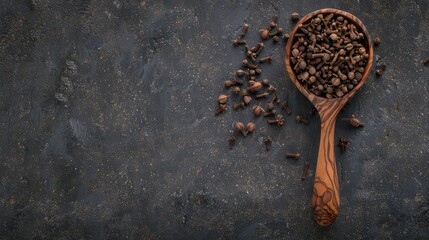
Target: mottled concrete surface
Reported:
[(133, 150)]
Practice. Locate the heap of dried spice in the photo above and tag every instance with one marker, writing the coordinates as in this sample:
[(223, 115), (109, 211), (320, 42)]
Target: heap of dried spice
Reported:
[(249, 88), (329, 55), (329, 58)]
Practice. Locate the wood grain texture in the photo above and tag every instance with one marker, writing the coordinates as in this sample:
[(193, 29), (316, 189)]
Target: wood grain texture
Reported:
[(326, 194)]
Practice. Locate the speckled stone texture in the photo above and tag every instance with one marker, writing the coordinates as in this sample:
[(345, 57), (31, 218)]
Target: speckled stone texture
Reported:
[(107, 126)]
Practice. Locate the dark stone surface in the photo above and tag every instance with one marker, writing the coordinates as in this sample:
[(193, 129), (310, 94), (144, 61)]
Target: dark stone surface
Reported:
[(107, 127)]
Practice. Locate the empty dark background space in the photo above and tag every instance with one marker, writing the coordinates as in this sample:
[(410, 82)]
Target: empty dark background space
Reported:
[(107, 126)]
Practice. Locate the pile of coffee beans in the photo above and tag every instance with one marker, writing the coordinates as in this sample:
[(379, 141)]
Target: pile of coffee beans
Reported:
[(329, 55)]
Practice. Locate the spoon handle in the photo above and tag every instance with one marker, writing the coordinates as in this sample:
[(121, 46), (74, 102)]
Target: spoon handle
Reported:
[(326, 194)]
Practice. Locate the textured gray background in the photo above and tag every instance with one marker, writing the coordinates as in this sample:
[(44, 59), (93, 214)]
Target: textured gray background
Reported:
[(137, 152)]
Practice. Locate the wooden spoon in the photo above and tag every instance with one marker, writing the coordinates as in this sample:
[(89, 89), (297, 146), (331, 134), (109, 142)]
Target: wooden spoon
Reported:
[(326, 195)]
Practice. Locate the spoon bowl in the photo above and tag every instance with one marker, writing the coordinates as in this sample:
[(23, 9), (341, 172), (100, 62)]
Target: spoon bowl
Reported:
[(326, 195)]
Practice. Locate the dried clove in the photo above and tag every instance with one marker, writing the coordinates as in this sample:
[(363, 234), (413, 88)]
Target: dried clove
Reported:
[(266, 59), (247, 99), (252, 73), (232, 140), (295, 16), (271, 103), (300, 118), (238, 106), (222, 99), (305, 170), (251, 55), (236, 90), (268, 142), (265, 33), (241, 72), (239, 127), (279, 120), (256, 86), (277, 32), (377, 41), (228, 83), (269, 113), (380, 66), (221, 109), (262, 95), (249, 65), (251, 126), (258, 49), (244, 30), (237, 42), (293, 155), (286, 108), (274, 21), (276, 38), (353, 121), (257, 109), (343, 144), (286, 36), (265, 82)]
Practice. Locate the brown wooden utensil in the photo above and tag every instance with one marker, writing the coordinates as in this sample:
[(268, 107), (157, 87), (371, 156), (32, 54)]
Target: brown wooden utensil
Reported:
[(326, 195)]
